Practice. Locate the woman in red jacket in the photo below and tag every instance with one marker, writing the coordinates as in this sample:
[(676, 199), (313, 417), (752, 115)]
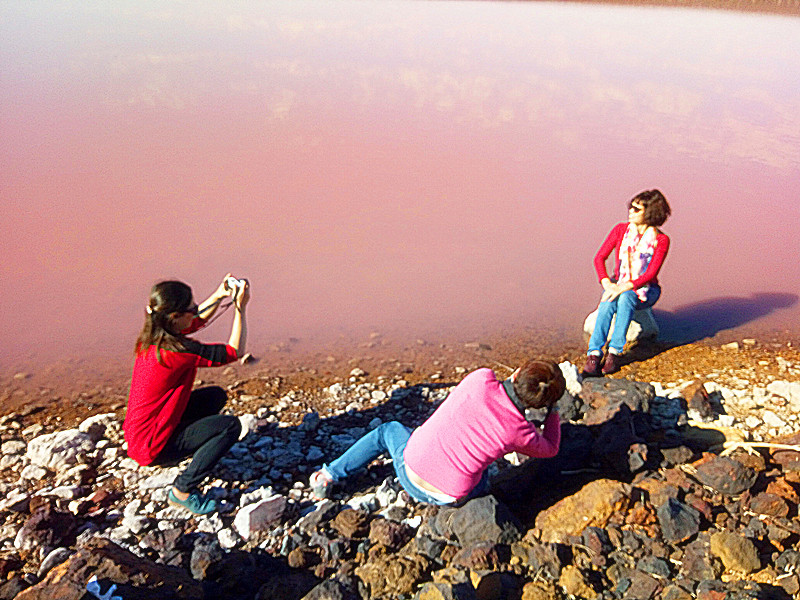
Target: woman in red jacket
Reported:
[(639, 249), (166, 421)]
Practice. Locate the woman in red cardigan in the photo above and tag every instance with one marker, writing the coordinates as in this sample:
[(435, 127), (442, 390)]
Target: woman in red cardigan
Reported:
[(639, 248), (166, 421)]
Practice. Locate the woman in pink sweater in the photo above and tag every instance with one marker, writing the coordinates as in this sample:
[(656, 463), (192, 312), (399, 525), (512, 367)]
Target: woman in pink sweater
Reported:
[(445, 459)]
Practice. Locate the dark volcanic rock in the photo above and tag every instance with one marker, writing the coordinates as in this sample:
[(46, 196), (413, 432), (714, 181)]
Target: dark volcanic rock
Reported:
[(544, 557), (677, 456), (725, 475), (135, 578), (605, 396), (697, 563), (332, 589), (206, 552), (734, 590), (678, 521), (47, 527), (479, 520)]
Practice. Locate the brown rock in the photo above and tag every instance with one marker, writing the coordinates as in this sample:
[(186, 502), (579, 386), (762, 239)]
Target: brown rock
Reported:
[(769, 504), (540, 590), (700, 505), (480, 556), (657, 491), (697, 398), (643, 586), (641, 515), (393, 575), (781, 487), (736, 552), (302, 558), (677, 478), (135, 578), (786, 457), (351, 523), (592, 505), (574, 582), (725, 475), (389, 533), (675, 592), (446, 591)]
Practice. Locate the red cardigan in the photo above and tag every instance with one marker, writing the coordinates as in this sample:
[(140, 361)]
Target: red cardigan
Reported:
[(159, 393), (613, 241)]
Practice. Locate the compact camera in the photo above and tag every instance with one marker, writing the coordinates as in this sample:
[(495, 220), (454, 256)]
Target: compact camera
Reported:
[(233, 284)]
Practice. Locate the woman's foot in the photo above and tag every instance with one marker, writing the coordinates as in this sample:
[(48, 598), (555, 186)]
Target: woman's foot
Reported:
[(320, 482), (193, 501), (592, 366), (612, 364)]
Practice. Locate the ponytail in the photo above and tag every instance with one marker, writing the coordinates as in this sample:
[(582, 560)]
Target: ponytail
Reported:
[(166, 298)]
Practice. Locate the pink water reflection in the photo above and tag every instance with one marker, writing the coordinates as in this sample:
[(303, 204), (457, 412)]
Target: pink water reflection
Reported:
[(375, 165)]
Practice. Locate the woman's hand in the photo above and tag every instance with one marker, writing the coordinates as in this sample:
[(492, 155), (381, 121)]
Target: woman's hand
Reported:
[(243, 297), (614, 289), (223, 291)]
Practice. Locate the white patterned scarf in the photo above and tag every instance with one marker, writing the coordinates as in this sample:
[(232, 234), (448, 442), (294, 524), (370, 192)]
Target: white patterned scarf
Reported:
[(635, 253)]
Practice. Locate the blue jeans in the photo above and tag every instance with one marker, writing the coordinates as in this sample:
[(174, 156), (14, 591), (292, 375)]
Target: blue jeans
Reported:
[(390, 438), (623, 306)]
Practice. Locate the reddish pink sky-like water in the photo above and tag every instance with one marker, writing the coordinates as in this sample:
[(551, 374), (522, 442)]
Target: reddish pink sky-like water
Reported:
[(407, 166)]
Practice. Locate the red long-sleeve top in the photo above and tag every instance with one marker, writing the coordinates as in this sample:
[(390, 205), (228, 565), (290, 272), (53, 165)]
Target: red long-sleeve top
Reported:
[(160, 392), (613, 242)]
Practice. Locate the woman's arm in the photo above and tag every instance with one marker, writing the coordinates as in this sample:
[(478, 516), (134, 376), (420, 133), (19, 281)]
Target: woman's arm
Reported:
[(546, 443), (238, 339), (610, 243), (210, 305)]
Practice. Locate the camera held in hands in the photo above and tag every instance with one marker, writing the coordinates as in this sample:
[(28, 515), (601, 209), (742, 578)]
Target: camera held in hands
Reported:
[(234, 285)]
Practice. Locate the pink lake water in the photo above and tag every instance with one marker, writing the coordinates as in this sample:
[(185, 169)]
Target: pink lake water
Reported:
[(412, 166)]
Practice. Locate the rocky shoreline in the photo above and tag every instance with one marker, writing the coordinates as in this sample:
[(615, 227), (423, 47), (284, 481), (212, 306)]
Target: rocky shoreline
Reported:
[(663, 489)]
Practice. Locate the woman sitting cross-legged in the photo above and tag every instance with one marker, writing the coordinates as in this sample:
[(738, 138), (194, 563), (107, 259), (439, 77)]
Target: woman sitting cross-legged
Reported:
[(445, 459), (167, 421)]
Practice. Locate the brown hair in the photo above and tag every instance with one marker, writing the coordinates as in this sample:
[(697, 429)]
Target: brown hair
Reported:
[(539, 384), (656, 208), (166, 299)]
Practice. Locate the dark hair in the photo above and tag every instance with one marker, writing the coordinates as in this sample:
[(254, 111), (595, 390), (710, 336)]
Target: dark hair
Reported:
[(539, 384), (166, 299), (656, 209)]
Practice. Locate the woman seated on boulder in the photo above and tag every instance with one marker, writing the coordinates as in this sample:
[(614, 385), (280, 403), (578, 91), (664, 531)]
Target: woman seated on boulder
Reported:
[(167, 421), (639, 251), (445, 459)]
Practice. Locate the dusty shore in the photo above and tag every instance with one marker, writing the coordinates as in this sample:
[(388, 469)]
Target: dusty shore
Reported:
[(63, 394)]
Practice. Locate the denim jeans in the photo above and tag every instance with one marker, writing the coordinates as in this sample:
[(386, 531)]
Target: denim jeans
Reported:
[(390, 438), (623, 306)]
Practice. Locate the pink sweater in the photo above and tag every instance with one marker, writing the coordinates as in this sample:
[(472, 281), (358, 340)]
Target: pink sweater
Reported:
[(474, 426)]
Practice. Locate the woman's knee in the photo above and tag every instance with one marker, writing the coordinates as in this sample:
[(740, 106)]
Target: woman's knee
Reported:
[(213, 396), (233, 425)]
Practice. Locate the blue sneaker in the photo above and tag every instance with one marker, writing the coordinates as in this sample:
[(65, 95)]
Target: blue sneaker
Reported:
[(195, 503)]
